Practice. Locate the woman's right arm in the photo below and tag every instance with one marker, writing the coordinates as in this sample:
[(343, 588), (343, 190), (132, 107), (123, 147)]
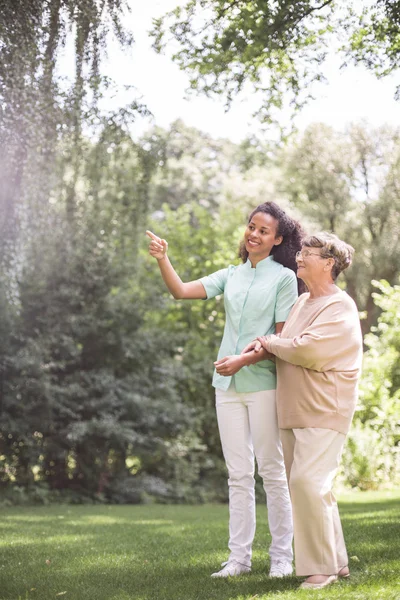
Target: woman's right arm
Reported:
[(328, 343), (191, 290)]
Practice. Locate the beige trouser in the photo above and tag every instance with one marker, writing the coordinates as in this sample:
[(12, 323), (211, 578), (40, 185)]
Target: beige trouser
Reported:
[(312, 457)]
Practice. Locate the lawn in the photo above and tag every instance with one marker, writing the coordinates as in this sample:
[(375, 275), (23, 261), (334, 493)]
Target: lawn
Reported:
[(159, 552)]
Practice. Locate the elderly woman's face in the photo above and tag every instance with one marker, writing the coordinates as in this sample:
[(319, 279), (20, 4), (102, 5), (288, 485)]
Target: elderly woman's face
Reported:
[(310, 263)]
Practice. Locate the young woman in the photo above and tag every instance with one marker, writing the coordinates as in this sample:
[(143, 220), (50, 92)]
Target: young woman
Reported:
[(258, 296)]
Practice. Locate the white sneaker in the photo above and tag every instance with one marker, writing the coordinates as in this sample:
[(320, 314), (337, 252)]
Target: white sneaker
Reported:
[(231, 569), (280, 568)]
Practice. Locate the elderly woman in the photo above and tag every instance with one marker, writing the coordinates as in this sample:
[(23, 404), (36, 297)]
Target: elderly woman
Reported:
[(318, 359)]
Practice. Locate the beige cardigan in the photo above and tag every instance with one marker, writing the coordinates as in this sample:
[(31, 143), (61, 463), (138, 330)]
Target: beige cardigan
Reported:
[(319, 355)]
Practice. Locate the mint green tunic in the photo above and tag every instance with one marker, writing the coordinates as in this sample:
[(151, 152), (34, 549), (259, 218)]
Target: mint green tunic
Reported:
[(255, 300)]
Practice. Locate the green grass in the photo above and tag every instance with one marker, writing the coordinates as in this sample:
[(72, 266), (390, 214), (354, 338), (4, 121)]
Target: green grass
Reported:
[(168, 553)]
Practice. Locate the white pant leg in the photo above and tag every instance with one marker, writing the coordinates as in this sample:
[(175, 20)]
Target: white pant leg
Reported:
[(234, 430), (246, 420), (312, 456), (267, 445)]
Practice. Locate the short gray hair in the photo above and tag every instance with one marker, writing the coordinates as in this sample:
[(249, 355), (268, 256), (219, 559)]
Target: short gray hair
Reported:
[(331, 247)]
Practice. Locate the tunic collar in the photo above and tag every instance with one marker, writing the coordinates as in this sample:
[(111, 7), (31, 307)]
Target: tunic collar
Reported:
[(263, 264)]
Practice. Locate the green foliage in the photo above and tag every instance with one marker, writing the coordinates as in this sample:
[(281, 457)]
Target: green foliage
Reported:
[(106, 383), (36, 110), (195, 168), (346, 183), (376, 40), (266, 45), (372, 457), (200, 243), (275, 49)]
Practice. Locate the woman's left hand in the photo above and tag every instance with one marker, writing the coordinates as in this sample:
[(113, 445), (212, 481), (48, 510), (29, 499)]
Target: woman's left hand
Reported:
[(229, 365), (254, 346), (265, 341)]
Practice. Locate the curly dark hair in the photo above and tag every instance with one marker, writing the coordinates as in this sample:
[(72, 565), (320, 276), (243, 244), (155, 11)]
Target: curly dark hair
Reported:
[(292, 234)]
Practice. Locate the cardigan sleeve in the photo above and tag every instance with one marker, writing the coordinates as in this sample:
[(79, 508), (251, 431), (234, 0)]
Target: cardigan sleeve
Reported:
[(330, 342)]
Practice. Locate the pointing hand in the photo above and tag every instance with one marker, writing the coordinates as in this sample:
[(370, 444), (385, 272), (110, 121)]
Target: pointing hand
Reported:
[(157, 247)]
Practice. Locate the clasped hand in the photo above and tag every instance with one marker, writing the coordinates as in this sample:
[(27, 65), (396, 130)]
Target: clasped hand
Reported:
[(229, 365), (256, 345)]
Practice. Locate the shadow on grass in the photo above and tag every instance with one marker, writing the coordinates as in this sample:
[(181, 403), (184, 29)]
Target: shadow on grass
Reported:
[(163, 553)]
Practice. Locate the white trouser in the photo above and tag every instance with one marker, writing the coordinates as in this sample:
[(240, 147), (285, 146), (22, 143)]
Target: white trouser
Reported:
[(312, 458), (248, 426)]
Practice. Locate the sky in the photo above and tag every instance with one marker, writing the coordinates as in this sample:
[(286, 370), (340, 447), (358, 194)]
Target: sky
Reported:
[(353, 94)]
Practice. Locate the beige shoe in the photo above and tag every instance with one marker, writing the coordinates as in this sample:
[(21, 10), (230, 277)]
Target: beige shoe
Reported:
[(317, 586), (344, 572)]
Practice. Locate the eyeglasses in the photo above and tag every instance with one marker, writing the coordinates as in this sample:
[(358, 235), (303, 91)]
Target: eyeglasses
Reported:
[(305, 254)]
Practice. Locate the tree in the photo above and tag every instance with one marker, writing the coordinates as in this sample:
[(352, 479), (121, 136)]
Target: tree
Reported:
[(83, 401), (200, 242), (35, 111), (193, 166), (372, 455), (348, 183), (57, 255), (374, 39), (275, 49)]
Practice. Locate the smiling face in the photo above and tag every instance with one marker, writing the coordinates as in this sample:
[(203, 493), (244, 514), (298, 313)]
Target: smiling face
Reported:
[(261, 236)]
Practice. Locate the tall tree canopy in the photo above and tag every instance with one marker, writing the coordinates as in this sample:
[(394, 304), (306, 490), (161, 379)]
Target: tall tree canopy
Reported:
[(276, 48)]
